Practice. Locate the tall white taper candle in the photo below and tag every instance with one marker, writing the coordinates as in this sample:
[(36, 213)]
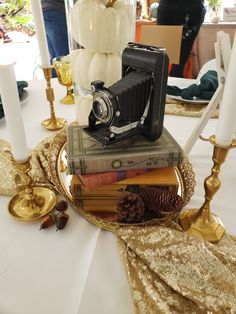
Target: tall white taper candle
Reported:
[(40, 32), (12, 110), (227, 118)]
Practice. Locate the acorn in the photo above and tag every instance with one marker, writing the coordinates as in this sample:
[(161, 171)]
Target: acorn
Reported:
[(48, 221), (62, 219), (61, 206)]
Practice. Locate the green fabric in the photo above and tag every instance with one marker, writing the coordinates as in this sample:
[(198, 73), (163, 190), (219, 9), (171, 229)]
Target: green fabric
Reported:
[(21, 86), (204, 90)]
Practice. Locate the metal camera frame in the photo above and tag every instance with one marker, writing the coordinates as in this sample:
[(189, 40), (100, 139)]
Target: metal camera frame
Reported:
[(155, 61)]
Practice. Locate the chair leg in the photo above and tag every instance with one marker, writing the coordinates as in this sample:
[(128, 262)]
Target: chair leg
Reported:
[(214, 102)]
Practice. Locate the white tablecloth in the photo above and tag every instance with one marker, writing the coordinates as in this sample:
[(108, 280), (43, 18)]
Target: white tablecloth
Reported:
[(79, 269)]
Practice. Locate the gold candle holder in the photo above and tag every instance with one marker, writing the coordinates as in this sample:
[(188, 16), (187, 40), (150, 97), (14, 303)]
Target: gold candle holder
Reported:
[(52, 123), (202, 222), (31, 202)]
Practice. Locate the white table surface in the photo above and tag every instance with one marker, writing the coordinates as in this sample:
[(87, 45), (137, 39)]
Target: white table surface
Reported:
[(78, 270)]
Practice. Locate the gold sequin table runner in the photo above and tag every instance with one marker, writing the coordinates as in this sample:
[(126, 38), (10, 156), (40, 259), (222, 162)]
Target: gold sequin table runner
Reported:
[(189, 109), (171, 272)]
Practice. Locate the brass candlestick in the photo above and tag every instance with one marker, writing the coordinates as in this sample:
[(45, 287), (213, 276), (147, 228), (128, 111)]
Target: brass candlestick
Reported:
[(31, 202), (201, 222), (52, 123)]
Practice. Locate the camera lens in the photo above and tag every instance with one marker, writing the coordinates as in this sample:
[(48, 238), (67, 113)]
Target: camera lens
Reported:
[(102, 107)]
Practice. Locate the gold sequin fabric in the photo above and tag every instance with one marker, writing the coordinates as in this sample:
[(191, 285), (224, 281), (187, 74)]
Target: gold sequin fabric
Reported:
[(9, 174), (180, 108), (171, 272)]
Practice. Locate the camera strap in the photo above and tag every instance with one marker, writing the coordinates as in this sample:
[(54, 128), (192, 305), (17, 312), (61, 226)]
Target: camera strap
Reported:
[(117, 130)]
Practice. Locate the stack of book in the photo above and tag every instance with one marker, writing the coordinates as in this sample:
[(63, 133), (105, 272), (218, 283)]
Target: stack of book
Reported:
[(100, 173), (102, 200)]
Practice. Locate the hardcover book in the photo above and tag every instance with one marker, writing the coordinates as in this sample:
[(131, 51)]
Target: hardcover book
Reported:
[(87, 155), (103, 199), (94, 180)]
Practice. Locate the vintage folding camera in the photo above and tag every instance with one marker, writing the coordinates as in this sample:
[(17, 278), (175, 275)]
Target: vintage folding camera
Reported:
[(135, 104)]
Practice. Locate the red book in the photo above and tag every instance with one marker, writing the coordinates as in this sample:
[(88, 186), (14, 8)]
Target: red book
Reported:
[(94, 180)]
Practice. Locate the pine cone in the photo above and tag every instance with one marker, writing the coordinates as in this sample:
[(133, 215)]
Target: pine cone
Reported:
[(133, 188), (160, 201), (130, 207)]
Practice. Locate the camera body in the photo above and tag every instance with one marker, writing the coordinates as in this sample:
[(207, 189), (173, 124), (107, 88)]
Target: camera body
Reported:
[(135, 104)]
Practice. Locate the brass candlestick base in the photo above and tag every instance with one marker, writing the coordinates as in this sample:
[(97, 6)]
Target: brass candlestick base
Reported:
[(201, 222), (52, 123), (31, 202)]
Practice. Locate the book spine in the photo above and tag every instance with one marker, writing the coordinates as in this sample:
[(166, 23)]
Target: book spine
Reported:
[(95, 180), (102, 208), (108, 164), (79, 195), (86, 155)]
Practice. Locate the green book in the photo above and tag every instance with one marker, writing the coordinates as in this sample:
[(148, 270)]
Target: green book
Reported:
[(87, 155)]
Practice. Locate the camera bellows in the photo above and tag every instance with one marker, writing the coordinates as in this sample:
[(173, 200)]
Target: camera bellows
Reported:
[(162, 201), (132, 94)]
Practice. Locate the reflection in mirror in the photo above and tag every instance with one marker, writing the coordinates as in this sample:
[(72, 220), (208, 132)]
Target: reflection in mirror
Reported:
[(102, 203)]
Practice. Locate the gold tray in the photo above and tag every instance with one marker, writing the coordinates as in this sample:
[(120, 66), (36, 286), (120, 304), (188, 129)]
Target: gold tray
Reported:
[(52, 155)]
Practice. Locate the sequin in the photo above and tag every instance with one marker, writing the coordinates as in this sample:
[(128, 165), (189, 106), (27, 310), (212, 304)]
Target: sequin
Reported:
[(173, 272), (9, 177)]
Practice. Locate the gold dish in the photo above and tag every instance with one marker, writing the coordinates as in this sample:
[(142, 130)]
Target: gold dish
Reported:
[(20, 212), (52, 154)]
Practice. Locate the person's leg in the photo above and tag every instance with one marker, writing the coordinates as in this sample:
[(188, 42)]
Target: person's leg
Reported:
[(57, 37), (170, 14), (62, 47), (196, 17), (56, 28), (51, 49)]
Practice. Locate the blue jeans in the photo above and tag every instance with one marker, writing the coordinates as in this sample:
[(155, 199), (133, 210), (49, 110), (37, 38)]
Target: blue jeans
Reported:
[(57, 35)]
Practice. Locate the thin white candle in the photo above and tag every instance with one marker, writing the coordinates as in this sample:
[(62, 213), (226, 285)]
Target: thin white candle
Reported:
[(12, 110), (227, 118), (40, 32)]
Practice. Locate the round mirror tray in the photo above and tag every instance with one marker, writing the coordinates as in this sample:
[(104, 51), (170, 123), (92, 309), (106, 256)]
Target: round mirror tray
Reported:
[(52, 155)]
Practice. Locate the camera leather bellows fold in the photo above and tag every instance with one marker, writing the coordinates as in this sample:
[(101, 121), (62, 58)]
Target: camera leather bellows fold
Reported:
[(135, 104)]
